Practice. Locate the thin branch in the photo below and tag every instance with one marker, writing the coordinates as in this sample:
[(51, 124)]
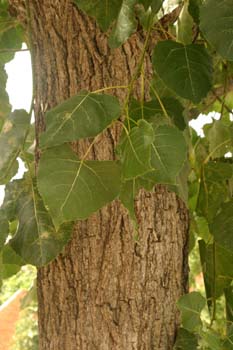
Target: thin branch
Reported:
[(12, 50)]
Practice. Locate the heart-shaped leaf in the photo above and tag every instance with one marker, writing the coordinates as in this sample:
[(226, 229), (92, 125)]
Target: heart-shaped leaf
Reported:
[(135, 150), (79, 187), (81, 116), (168, 154), (191, 306), (216, 22), (186, 69), (36, 239)]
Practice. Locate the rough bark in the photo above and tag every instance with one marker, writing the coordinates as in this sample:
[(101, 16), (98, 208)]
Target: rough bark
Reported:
[(106, 290)]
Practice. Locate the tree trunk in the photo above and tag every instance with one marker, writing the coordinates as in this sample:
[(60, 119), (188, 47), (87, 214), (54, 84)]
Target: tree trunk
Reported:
[(106, 291)]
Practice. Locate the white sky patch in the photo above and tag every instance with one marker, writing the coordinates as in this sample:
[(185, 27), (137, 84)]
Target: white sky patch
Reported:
[(19, 83), (198, 123), (19, 88)]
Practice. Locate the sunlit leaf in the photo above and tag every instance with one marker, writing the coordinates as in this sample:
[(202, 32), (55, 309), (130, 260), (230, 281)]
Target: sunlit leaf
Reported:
[(186, 69), (191, 306), (125, 25), (135, 150), (80, 187), (216, 23), (12, 138), (211, 340), (81, 116), (185, 25)]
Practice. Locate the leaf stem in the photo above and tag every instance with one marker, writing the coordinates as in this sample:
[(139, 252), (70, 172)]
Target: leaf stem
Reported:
[(213, 317), (214, 150), (110, 88), (160, 102), (136, 73)]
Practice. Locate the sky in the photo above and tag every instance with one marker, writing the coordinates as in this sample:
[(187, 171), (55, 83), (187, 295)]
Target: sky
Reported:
[(19, 88)]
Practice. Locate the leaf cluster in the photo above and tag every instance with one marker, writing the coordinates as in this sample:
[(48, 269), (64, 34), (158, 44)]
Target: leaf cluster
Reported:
[(192, 75)]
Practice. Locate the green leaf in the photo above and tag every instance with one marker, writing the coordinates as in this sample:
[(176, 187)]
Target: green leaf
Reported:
[(79, 187), (217, 266), (185, 340), (154, 4), (212, 340), (222, 227), (127, 194), (36, 239), (228, 293), (81, 116), (203, 228), (126, 24), (194, 10), (216, 22), (9, 270), (220, 137), (4, 100), (105, 11), (13, 191), (4, 229), (12, 138), (129, 190), (169, 152), (186, 69), (228, 342), (185, 25), (213, 189), (153, 110), (135, 150), (181, 187), (10, 262), (10, 257), (191, 306)]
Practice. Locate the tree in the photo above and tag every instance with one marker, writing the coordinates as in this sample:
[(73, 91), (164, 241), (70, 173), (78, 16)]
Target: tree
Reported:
[(102, 210)]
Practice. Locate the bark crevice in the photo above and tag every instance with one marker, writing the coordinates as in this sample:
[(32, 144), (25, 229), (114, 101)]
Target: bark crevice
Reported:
[(106, 291)]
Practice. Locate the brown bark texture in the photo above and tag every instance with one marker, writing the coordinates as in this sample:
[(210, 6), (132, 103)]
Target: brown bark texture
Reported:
[(107, 290)]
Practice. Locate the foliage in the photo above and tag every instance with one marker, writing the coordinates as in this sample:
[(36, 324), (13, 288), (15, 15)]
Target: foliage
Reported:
[(193, 67)]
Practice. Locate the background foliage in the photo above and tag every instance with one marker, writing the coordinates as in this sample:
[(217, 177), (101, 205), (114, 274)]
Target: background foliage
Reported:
[(192, 75)]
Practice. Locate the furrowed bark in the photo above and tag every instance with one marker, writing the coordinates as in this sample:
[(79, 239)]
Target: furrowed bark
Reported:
[(107, 290)]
